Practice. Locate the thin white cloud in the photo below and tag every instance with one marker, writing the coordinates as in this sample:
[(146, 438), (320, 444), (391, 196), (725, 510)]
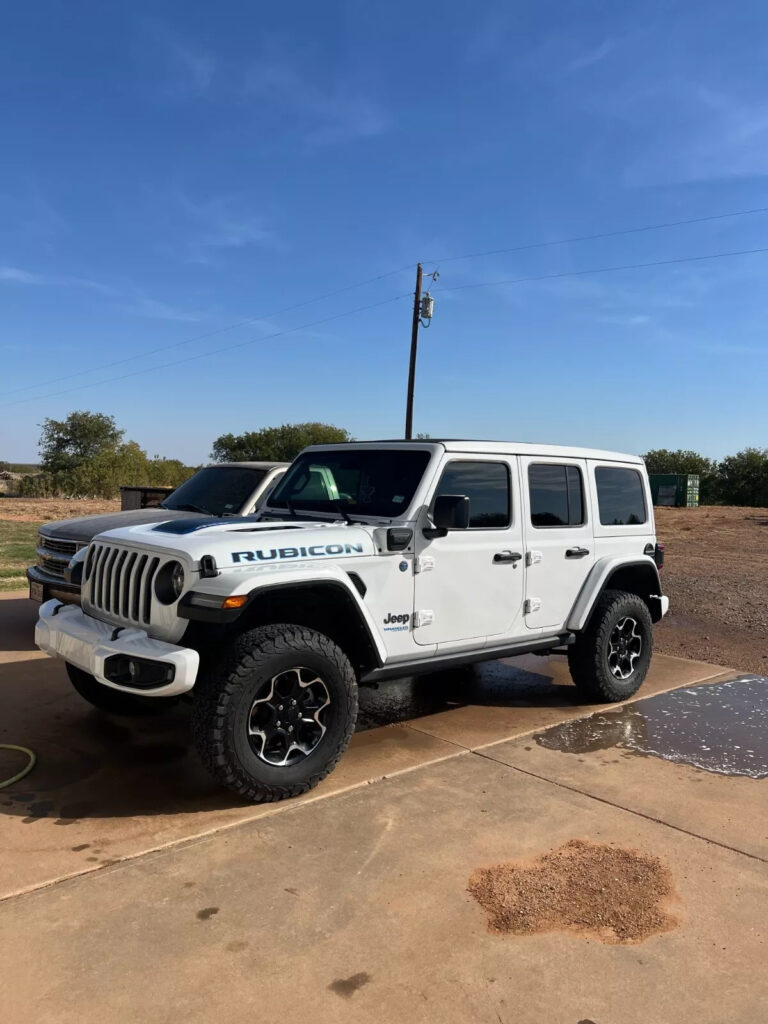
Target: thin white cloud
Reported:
[(323, 113), (153, 309), (15, 275), (592, 56), (183, 69), (222, 222), (18, 276)]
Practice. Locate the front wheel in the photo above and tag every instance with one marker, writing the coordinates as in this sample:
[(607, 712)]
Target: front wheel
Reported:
[(275, 713), (610, 659)]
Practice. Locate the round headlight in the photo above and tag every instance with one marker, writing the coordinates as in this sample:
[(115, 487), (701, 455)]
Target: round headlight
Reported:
[(177, 579), (169, 582)]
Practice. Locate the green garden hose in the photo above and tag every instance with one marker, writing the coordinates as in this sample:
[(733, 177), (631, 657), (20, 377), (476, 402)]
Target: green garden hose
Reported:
[(25, 770)]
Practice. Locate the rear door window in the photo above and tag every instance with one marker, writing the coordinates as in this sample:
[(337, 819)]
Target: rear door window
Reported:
[(620, 496), (557, 495)]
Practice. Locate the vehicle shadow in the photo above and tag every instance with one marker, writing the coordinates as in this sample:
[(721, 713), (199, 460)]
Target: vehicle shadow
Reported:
[(94, 765), (17, 623)]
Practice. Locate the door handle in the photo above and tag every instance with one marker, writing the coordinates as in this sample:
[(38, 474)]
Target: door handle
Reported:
[(506, 556), (576, 552)]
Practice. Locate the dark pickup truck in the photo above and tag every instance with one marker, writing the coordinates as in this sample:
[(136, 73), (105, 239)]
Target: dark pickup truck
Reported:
[(226, 489)]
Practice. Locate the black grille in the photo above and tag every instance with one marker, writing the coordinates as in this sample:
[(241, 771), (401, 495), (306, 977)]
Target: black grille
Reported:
[(60, 547), (52, 566)]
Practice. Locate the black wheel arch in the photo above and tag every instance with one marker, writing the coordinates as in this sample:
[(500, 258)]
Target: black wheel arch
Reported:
[(638, 577), (327, 606)]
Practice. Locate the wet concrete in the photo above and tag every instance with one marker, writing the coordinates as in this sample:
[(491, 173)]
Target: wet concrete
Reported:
[(106, 788), (488, 684), (719, 727)]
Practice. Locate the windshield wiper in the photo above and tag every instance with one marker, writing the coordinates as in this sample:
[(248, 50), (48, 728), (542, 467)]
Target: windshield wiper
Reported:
[(191, 507), (341, 510)]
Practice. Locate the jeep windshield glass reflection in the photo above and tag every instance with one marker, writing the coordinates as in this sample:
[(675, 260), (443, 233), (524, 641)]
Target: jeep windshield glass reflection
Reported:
[(216, 490), (369, 483)]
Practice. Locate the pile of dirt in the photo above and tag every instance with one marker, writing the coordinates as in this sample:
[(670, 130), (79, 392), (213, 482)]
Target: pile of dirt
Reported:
[(716, 576), (47, 510), (605, 892)]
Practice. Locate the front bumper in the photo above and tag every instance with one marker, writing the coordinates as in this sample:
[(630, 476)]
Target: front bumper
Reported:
[(48, 587), (65, 631)]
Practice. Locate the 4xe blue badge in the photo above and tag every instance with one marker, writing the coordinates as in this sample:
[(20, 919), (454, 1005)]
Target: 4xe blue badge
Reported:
[(403, 567)]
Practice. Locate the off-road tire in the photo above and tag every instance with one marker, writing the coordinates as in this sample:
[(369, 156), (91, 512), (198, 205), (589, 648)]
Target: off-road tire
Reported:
[(588, 656), (115, 701), (224, 696)]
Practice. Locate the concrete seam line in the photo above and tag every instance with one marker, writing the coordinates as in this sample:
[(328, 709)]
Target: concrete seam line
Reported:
[(621, 807), (269, 812)]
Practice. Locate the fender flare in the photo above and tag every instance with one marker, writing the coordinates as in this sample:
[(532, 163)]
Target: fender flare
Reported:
[(598, 578), (205, 605)]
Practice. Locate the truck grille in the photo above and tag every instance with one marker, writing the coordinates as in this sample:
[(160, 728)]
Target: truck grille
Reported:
[(61, 547), (52, 566), (53, 555), (120, 582)]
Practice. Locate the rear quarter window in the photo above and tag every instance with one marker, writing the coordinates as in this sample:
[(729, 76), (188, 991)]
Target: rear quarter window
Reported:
[(620, 496)]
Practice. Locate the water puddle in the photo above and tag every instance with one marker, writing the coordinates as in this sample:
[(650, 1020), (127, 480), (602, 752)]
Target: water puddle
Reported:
[(720, 727)]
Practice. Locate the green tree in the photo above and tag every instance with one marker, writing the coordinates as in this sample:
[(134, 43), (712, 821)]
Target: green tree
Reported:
[(275, 444), (67, 444), (743, 478), (662, 460)]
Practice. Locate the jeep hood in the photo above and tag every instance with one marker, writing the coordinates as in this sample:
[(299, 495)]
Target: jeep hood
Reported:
[(242, 543)]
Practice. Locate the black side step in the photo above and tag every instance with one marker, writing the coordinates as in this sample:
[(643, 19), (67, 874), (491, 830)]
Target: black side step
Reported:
[(441, 661)]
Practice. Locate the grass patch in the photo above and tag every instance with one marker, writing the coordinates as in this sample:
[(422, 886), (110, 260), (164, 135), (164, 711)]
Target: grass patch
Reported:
[(17, 551)]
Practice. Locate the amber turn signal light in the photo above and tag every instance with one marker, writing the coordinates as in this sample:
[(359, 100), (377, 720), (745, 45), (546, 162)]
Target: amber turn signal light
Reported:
[(234, 602)]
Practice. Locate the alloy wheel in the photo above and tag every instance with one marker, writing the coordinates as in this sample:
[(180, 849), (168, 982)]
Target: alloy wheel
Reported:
[(286, 721), (624, 647)]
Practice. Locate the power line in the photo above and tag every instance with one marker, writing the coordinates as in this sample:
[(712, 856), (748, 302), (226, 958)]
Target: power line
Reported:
[(602, 234), (390, 273), (208, 334), (603, 270), (212, 352)]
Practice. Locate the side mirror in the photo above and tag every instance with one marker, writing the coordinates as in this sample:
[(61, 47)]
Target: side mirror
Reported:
[(451, 512)]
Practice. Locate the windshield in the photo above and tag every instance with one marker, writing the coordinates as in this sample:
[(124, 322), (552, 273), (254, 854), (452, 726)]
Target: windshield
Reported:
[(370, 483), (217, 490)]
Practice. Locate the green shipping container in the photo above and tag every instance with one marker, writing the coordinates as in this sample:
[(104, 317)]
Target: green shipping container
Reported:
[(679, 490)]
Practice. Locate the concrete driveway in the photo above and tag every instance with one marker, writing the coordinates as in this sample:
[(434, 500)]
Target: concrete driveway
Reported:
[(133, 890)]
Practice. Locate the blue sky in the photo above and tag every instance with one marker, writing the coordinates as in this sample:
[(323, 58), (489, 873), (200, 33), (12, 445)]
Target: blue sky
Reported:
[(172, 169)]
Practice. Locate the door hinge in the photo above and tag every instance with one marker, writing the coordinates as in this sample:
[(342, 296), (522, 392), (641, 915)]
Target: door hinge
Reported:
[(423, 618), (533, 557), (423, 563), (532, 604)]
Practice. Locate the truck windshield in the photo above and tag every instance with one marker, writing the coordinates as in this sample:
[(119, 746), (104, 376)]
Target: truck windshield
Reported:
[(217, 490), (370, 483)]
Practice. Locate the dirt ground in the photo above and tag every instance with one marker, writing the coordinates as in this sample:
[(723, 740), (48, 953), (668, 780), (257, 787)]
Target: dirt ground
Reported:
[(716, 576), (45, 510), (593, 889)]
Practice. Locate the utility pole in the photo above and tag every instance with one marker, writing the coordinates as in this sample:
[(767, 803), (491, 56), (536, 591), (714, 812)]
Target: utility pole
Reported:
[(414, 343)]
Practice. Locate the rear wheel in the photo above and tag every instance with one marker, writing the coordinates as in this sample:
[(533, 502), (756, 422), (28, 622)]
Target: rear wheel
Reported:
[(275, 712), (115, 701), (610, 659)]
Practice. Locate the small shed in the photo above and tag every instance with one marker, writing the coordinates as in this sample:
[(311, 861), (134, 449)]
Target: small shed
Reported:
[(678, 490), (143, 497)]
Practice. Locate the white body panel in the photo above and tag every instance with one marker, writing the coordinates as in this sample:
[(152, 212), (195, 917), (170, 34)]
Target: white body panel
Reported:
[(555, 573), (456, 568)]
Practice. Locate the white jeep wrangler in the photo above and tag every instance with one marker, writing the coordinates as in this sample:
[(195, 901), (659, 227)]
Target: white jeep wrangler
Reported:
[(370, 561)]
